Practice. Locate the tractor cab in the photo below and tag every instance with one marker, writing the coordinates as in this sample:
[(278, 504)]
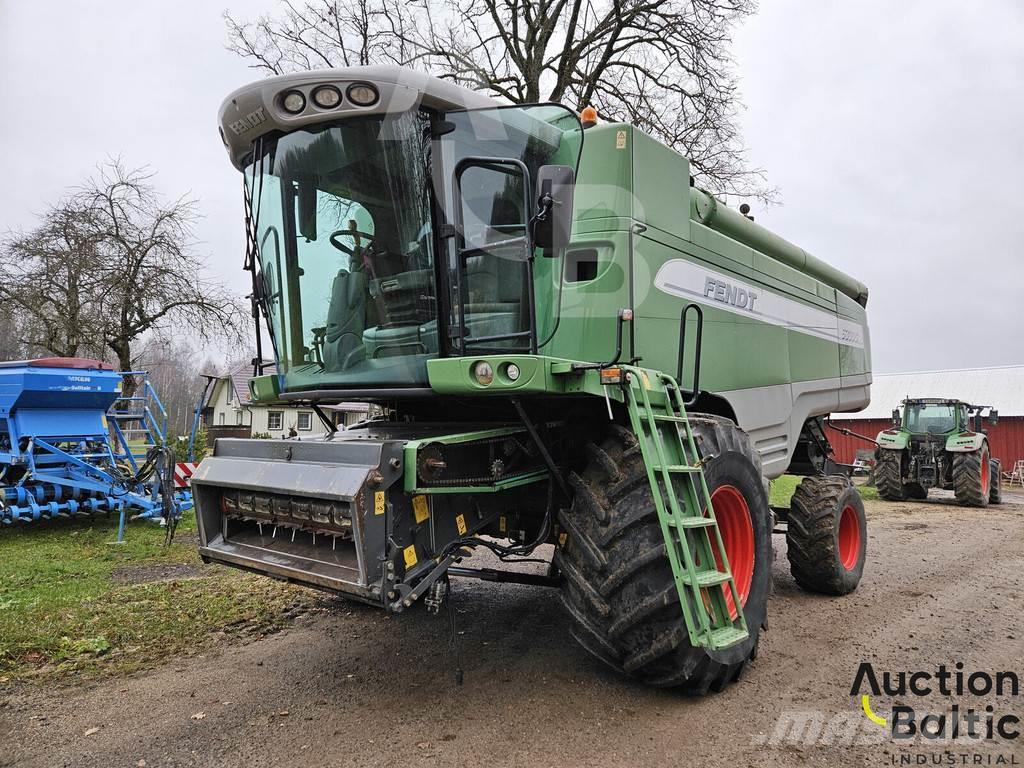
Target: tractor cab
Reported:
[(934, 417), (923, 417)]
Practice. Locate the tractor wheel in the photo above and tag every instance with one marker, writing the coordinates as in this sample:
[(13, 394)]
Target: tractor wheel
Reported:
[(827, 535), (972, 477), (995, 494), (915, 491), (888, 476), (619, 587)]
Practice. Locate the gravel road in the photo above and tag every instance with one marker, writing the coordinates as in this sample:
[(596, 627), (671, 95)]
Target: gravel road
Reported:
[(350, 686)]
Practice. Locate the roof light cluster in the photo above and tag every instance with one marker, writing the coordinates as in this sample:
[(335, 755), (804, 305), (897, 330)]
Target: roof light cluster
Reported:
[(293, 101)]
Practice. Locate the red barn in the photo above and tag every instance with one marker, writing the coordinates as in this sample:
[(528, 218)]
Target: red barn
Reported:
[(1002, 388)]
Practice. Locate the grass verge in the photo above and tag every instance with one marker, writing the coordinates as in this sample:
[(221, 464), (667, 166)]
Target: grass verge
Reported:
[(74, 603), (781, 490)]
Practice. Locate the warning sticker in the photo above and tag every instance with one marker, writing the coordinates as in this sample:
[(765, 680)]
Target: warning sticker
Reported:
[(620, 139), (378, 503), (502, 524), (409, 553), (460, 523), (420, 509), (561, 539)]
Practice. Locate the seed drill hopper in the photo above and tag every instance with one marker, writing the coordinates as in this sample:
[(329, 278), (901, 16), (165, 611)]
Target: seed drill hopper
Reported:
[(71, 444)]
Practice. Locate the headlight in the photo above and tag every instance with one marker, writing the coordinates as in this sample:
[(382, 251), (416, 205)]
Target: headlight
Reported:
[(327, 97), (513, 372), (483, 373), (362, 95), (293, 102)]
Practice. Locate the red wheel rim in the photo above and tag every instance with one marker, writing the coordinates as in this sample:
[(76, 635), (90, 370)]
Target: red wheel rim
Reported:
[(984, 473), (737, 531), (849, 538)]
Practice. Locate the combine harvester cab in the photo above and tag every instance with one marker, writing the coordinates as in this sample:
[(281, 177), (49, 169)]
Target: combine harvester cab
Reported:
[(573, 346), (71, 445)]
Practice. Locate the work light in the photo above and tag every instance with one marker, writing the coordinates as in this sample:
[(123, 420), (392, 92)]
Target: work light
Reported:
[(327, 97), (293, 102), (483, 373), (362, 95)]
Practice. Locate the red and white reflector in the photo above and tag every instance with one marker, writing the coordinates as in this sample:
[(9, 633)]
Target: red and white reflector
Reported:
[(183, 474)]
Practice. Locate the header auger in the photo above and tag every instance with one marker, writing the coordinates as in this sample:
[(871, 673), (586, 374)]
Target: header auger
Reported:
[(515, 289)]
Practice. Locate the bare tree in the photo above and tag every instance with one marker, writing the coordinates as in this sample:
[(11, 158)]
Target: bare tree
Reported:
[(110, 264), (49, 284), (175, 370), (662, 65)]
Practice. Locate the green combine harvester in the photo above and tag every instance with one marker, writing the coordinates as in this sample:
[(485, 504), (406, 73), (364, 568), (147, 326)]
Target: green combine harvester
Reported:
[(574, 347), (933, 445)]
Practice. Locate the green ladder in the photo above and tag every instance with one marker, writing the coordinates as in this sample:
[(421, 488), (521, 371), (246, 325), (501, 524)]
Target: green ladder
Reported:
[(675, 472)]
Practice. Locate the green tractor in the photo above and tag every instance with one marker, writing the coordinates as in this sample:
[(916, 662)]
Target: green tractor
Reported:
[(581, 357), (938, 443)]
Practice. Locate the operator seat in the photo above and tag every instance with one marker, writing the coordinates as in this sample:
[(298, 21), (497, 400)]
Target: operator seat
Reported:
[(346, 321)]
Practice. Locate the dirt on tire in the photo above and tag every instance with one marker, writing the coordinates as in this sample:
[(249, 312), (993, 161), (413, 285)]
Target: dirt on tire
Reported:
[(619, 586), (969, 485)]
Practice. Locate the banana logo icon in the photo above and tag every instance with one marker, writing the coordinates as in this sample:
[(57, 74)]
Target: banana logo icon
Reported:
[(865, 704)]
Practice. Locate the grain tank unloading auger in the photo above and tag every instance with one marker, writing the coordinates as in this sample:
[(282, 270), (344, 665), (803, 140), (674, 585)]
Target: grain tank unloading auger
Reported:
[(523, 296)]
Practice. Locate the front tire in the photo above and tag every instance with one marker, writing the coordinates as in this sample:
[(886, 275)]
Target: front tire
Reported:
[(619, 588), (888, 475), (995, 495), (972, 477), (915, 491), (827, 535)]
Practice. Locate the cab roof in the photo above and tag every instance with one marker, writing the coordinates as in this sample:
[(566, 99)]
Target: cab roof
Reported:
[(257, 109)]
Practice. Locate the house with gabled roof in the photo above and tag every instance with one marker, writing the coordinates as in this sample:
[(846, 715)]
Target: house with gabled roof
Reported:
[(230, 411)]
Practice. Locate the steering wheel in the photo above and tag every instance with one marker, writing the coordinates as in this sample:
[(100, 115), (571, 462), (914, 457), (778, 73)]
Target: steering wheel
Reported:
[(350, 233)]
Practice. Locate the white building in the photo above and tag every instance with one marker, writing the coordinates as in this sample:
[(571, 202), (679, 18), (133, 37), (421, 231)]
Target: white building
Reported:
[(230, 410)]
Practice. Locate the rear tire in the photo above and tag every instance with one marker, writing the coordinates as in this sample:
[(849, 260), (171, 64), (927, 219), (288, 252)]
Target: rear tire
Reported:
[(827, 535), (618, 586), (972, 475), (995, 495), (888, 475)]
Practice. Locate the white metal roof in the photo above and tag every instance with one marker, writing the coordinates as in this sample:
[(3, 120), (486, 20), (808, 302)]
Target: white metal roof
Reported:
[(1001, 387)]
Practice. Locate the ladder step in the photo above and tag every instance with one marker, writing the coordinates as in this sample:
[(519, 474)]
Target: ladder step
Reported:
[(726, 637), (706, 578), (676, 468), (692, 522), (662, 417)]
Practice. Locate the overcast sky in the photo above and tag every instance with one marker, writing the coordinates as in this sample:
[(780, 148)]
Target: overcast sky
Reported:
[(894, 131)]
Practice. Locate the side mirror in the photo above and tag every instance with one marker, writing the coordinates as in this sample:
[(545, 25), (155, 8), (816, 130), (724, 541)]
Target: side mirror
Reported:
[(993, 417), (307, 210), (553, 223), (896, 420)]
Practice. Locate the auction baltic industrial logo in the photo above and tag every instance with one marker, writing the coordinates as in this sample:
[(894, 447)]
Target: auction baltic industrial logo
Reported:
[(959, 722), (975, 723)]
